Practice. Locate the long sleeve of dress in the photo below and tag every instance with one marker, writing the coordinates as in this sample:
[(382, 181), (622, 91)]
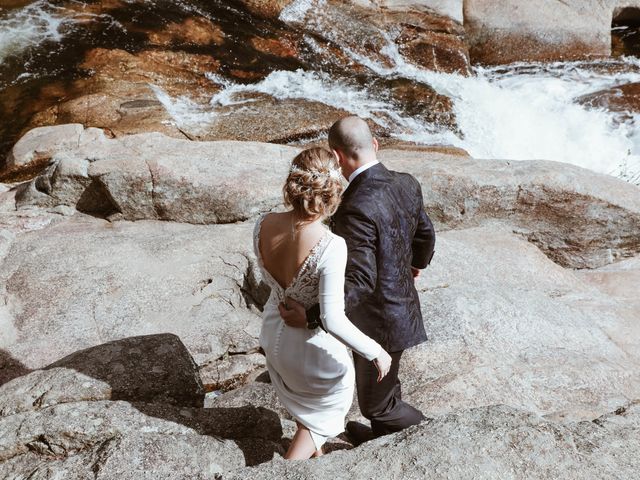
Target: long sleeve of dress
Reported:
[(331, 296)]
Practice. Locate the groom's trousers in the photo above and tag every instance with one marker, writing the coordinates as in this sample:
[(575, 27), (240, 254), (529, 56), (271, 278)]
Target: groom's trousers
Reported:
[(382, 402)]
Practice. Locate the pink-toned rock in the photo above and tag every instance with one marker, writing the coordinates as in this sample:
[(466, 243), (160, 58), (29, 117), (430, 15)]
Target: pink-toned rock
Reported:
[(504, 31)]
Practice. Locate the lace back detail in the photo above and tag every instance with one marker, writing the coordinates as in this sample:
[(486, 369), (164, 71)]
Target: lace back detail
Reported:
[(305, 284)]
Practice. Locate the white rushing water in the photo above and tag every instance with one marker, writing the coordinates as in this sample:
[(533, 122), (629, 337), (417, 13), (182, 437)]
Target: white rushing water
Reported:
[(29, 26), (518, 113)]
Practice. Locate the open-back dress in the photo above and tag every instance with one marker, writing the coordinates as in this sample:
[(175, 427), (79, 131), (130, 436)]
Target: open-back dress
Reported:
[(312, 370)]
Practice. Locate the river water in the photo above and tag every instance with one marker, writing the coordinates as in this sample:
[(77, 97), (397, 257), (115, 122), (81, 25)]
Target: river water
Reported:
[(519, 111)]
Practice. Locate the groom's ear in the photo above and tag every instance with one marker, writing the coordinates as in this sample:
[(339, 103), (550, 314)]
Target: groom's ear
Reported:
[(336, 154), (376, 146)]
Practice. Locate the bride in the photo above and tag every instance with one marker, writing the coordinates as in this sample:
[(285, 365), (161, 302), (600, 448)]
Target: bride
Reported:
[(311, 369)]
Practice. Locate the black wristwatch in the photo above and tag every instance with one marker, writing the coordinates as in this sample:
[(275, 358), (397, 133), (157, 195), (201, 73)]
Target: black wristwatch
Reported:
[(313, 318)]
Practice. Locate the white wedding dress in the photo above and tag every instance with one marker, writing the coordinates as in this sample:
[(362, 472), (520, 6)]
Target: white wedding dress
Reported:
[(312, 370)]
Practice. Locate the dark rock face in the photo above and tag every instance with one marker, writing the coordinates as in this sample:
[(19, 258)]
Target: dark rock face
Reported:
[(624, 99), (169, 373), (72, 419)]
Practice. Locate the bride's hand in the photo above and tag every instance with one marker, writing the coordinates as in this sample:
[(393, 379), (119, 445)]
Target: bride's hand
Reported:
[(383, 364)]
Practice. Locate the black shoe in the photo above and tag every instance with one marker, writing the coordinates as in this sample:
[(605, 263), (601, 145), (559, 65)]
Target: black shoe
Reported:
[(359, 433)]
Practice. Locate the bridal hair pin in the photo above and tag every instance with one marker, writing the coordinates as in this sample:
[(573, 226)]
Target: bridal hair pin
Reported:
[(333, 173)]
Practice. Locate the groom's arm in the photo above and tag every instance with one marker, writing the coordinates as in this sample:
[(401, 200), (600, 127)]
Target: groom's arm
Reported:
[(361, 275), (424, 240)]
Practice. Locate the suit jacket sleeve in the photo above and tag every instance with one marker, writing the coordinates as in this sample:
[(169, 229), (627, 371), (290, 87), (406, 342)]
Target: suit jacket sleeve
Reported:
[(361, 235), (424, 239)]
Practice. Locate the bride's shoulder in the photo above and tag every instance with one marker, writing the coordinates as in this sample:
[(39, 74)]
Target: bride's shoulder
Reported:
[(335, 244)]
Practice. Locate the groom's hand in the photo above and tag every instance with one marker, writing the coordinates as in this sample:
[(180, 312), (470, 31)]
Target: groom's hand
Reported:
[(293, 314)]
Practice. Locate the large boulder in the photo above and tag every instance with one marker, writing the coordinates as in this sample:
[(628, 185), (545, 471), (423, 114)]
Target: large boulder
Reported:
[(153, 176), (71, 419), (123, 279), (579, 218), (507, 31), (487, 442), (507, 325)]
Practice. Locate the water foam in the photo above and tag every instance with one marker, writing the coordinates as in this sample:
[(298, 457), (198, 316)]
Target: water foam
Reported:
[(529, 111), (516, 112), (297, 10), (184, 112), (29, 26)]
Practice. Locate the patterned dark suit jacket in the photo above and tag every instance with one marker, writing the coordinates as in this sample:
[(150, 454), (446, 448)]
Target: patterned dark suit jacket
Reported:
[(387, 231)]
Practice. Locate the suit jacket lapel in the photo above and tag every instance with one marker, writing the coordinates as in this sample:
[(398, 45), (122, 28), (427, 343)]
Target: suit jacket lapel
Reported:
[(372, 172)]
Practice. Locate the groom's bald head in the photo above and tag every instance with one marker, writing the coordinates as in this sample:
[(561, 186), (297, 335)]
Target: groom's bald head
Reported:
[(352, 137)]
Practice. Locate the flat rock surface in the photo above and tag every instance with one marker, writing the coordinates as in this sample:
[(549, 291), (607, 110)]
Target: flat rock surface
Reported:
[(124, 279)]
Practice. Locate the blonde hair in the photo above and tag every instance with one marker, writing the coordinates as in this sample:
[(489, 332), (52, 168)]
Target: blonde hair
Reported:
[(313, 186)]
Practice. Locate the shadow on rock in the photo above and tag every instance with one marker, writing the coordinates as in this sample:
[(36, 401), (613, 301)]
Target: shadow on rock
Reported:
[(157, 375), (10, 368)]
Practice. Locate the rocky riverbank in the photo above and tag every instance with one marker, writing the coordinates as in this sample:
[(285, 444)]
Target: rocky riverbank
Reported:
[(277, 71), (136, 164), (129, 291)]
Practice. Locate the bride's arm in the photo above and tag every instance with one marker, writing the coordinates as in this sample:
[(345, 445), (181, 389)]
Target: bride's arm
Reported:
[(331, 296)]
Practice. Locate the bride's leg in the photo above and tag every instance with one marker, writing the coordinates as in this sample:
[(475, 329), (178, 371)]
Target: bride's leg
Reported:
[(302, 446)]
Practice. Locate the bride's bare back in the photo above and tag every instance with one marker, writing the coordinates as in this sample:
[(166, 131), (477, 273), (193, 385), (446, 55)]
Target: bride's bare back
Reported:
[(282, 252)]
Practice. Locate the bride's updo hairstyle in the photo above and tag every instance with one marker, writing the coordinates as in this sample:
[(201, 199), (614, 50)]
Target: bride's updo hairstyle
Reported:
[(314, 185)]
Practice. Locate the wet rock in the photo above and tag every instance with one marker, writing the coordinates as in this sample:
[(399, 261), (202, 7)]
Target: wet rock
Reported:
[(431, 41), (624, 99), (274, 46), (507, 31), (427, 37), (417, 101), (264, 118), (192, 31), (266, 8), (117, 95), (574, 215)]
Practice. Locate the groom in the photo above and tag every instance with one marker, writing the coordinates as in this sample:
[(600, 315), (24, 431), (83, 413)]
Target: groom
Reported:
[(390, 239)]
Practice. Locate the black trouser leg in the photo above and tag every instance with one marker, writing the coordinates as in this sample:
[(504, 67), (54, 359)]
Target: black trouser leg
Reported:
[(382, 402)]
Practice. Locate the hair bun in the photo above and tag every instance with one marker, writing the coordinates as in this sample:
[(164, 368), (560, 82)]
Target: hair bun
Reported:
[(313, 186)]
